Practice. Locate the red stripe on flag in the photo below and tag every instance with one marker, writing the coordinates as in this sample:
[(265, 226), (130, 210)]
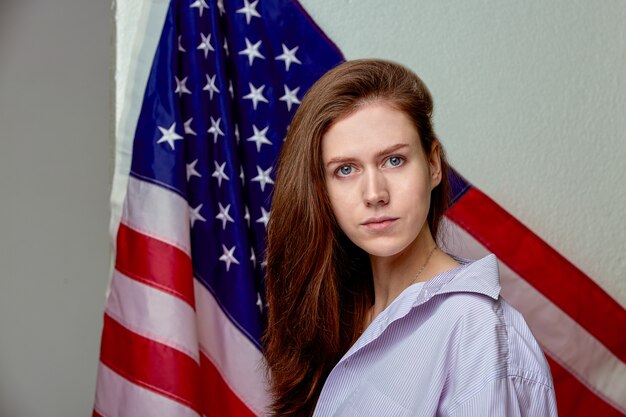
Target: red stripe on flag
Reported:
[(574, 399), (154, 366), (218, 399), (96, 414), (154, 263), (543, 267)]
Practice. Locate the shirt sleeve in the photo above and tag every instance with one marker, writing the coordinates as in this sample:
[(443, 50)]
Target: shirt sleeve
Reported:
[(512, 396)]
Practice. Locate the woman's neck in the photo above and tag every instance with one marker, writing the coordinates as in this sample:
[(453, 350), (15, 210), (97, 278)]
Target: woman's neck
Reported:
[(394, 274)]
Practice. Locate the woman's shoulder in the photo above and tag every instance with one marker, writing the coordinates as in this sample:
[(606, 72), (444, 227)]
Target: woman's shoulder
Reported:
[(526, 358), (484, 323), (492, 347), (476, 282)]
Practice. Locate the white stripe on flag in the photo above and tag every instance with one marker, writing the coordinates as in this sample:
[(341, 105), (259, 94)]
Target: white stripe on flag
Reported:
[(149, 206), (116, 396), (154, 314), (561, 337), (236, 358)]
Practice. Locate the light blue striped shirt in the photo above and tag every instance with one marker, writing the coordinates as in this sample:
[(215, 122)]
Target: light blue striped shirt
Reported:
[(447, 347)]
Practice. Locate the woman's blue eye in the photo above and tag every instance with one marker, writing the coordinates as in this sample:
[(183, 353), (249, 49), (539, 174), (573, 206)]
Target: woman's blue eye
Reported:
[(395, 161), (345, 170)]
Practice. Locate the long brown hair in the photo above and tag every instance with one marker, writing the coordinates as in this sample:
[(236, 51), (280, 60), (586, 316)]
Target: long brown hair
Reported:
[(319, 284)]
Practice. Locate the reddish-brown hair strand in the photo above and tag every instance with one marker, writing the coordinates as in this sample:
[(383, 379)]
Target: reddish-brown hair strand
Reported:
[(319, 284)]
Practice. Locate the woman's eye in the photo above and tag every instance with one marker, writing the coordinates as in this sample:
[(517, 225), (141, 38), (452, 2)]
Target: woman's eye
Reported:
[(344, 170), (394, 161)]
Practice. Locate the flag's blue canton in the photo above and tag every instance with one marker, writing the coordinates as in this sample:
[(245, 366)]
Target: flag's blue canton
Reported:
[(226, 79), (458, 185)]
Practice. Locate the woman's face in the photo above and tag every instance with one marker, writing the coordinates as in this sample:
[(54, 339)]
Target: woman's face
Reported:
[(378, 178)]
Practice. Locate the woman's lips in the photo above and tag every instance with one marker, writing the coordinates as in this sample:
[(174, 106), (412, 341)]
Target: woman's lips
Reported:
[(379, 224)]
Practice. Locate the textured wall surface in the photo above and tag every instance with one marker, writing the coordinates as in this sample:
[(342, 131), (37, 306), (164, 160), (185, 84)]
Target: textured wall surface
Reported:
[(55, 173), (530, 102)]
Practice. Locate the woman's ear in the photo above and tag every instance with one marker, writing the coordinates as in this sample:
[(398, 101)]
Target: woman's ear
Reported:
[(434, 162)]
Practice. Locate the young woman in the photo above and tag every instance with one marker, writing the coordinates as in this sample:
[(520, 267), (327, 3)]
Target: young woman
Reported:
[(367, 315)]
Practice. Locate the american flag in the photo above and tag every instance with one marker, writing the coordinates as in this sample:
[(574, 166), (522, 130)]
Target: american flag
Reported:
[(186, 305), (581, 329)]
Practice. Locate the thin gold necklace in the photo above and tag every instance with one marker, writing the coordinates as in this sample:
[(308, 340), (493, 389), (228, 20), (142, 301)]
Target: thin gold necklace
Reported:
[(423, 266), (370, 313)]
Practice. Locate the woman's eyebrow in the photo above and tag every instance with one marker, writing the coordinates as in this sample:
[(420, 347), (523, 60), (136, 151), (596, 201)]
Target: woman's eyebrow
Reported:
[(339, 159), (386, 151), (391, 149)]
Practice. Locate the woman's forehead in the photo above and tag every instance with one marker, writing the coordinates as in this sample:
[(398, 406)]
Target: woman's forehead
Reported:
[(371, 128)]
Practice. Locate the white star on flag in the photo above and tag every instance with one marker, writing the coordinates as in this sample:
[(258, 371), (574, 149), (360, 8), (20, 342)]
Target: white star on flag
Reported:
[(290, 96), (205, 45), (224, 216), (263, 177), (253, 257), (247, 216), (220, 6), (256, 95), (194, 214), (188, 129), (230, 89), (289, 56), (258, 299), (169, 135), (200, 5), (219, 173), (259, 137), (210, 85), (249, 9), (237, 133), (265, 217), (191, 170), (241, 176), (252, 51), (228, 258), (181, 88), (215, 128), (180, 44), (226, 47)]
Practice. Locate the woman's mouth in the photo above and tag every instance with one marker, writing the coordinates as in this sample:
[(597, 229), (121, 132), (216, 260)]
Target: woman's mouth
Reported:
[(379, 224)]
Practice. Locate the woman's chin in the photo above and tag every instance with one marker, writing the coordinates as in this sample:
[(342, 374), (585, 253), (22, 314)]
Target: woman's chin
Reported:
[(383, 250)]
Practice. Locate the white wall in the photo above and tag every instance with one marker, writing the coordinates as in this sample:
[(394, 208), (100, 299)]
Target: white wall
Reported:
[(56, 152), (530, 103)]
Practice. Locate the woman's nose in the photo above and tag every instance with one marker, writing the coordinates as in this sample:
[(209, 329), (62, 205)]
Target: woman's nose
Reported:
[(375, 191)]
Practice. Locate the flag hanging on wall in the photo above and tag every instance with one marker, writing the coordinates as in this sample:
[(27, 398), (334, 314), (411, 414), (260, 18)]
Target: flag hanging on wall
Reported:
[(186, 306), (581, 329)]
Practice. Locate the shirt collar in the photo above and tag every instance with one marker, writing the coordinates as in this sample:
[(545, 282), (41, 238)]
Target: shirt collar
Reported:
[(480, 276)]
